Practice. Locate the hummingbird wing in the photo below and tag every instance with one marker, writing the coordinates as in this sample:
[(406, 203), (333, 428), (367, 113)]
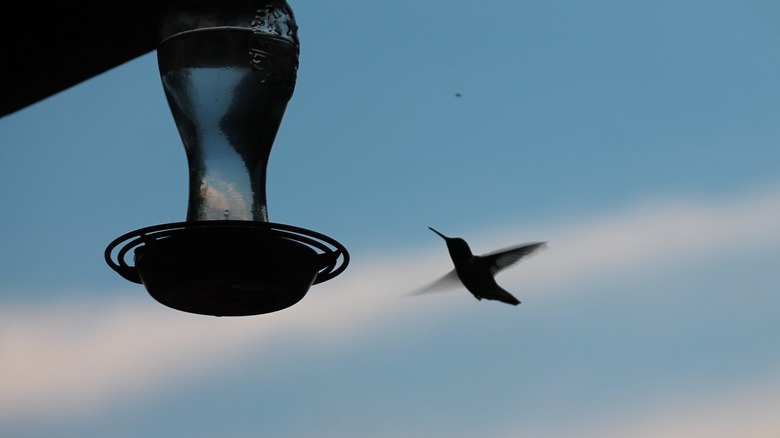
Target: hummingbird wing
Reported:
[(506, 257), (449, 281)]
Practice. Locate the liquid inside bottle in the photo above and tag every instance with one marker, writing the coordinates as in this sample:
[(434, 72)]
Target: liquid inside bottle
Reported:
[(227, 88)]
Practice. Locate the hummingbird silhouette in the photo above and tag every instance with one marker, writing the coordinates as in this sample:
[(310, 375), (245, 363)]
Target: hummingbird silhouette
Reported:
[(477, 272)]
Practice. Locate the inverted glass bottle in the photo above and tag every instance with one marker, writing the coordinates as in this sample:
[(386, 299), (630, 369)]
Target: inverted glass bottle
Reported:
[(228, 78)]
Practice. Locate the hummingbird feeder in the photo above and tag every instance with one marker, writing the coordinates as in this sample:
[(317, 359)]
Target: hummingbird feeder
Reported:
[(228, 70)]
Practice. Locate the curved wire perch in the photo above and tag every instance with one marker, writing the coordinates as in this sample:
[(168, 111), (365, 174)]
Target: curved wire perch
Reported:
[(328, 248)]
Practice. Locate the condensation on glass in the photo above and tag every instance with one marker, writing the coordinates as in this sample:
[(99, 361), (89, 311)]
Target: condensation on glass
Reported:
[(228, 70)]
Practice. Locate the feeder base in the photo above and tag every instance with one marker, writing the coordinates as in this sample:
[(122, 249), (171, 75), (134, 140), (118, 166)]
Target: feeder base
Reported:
[(227, 268)]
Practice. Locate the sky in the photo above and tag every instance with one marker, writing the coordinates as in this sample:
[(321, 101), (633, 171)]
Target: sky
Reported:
[(638, 139)]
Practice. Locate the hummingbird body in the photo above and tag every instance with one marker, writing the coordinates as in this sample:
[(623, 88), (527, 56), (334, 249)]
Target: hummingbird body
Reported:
[(477, 273)]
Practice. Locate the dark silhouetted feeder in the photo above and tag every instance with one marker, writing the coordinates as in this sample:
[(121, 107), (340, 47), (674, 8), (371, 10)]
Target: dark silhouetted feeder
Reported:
[(228, 70)]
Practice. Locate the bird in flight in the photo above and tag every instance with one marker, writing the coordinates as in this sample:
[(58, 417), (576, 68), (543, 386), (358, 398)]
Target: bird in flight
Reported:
[(477, 272)]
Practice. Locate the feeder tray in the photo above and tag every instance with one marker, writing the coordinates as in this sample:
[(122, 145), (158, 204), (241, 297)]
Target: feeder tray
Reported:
[(227, 268)]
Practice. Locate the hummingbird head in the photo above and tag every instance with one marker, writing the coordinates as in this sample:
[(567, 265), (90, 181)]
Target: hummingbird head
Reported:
[(458, 247)]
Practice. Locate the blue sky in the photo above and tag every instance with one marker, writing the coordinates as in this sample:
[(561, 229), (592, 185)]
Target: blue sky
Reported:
[(639, 139)]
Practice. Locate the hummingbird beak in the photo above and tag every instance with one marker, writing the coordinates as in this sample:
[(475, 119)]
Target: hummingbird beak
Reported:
[(440, 234)]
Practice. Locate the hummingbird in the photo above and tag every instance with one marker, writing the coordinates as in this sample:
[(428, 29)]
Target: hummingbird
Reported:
[(477, 272)]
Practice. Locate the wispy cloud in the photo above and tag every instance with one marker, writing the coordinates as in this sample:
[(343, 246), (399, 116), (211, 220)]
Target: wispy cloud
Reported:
[(749, 411), (656, 231), (66, 359), (746, 412)]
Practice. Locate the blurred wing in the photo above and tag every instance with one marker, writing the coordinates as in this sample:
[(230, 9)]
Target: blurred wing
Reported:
[(448, 282), (507, 257)]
